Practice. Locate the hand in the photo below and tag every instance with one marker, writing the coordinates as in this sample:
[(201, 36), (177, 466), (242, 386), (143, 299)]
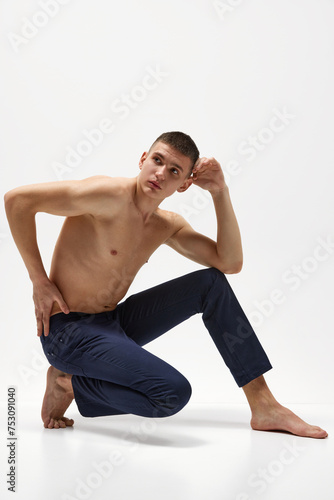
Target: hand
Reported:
[(207, 174), (45, 293)]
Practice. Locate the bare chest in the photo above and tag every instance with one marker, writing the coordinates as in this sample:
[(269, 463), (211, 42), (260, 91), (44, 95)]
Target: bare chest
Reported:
[(122, 240), (96, 260)]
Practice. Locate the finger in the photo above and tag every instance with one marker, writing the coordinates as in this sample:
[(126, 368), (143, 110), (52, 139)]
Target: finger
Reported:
[(207, 163), (214, 163), (199, 168), (39, 326), (63, 306), (199, 163), (204, 161), (46, 322)]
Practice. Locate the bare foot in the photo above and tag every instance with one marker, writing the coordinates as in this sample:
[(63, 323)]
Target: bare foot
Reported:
[(277, 417), (269, 415), (58, 397)]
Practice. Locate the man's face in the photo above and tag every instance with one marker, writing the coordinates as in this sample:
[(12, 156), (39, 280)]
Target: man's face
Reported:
[(164, 170)]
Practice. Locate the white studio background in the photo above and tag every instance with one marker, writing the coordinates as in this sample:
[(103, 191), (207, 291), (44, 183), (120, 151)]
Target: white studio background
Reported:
[(227, 73)]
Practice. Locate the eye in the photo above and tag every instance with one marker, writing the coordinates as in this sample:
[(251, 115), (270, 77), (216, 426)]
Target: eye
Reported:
[(175, 171), (157, 159)]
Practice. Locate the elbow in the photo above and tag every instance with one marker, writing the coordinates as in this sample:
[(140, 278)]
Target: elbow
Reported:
[(15, 201), (231, 268), (236, 268), (11, 196), (9, 199)]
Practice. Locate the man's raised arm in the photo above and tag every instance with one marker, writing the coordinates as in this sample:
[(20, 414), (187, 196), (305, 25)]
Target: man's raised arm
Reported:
[(64, 198), (208, 174), (226, 253)]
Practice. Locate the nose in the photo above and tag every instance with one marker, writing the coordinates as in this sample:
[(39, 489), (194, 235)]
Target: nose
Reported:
[(160, 173)]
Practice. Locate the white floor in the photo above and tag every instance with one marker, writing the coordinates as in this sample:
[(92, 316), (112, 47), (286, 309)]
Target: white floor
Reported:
[(205, 452)]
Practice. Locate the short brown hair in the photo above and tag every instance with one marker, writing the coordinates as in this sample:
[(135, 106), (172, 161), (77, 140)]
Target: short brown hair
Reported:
[(182, 143)]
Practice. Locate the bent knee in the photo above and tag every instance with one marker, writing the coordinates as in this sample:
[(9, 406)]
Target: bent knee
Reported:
[(209, 276), (182, 394), (214, 272), (176, 398)]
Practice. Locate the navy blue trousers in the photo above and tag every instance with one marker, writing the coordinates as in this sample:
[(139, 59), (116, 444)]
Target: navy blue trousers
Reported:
[(113, 374)]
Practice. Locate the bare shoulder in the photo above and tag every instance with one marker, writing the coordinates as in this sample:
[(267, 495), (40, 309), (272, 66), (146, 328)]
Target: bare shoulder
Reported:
[(108, 189), (107, 195), (106, 184), (96, 195), (171, 220)]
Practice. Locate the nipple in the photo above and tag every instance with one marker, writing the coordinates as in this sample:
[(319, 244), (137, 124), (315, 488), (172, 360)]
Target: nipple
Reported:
[(113, 252)]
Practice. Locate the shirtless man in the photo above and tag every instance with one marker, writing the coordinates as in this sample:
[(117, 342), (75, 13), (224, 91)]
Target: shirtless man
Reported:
[(92, 341)]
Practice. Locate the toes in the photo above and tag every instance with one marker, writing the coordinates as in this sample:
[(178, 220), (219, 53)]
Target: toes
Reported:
[(321, 433), (53, 424), (68, 421), (50, 424), (314, 431), (58, 423), (46, 423)]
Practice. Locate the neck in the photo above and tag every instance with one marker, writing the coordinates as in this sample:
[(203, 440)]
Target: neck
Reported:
[(145, 205)]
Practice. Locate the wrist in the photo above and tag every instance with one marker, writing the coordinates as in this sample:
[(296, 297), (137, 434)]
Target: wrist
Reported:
[(38, 279), (219, 191)]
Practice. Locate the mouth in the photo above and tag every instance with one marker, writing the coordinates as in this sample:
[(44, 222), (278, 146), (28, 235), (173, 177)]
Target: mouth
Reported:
[(154, 185)]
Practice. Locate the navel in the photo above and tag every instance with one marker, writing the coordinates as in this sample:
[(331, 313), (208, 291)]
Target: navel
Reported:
[(113, 252)]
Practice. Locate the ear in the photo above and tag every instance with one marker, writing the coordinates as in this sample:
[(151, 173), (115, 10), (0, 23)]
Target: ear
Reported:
[(142, 159), (187, 183)]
